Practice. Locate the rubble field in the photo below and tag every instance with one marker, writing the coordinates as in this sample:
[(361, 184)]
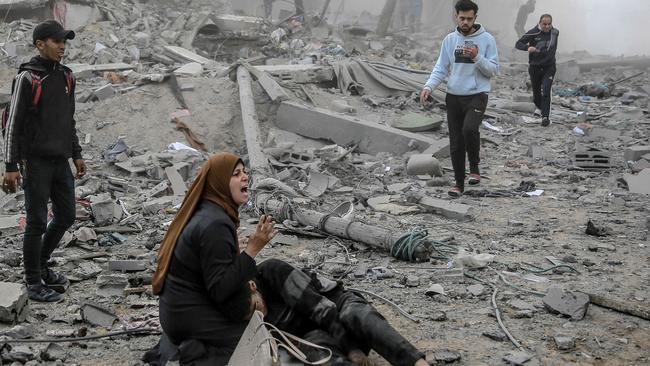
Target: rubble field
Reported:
[(546, 262)]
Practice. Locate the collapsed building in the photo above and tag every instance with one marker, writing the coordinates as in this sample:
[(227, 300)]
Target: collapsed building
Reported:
[(327, 116)]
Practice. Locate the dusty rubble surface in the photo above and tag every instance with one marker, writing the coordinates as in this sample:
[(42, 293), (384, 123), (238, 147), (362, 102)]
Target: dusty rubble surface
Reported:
[(123, 202)]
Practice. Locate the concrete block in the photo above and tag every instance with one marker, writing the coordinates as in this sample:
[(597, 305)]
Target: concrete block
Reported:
[(178, 185), (448, 209), (97, 315), (183, 55), (228, 22), (573, 304), (10, 225), (111, 285), (153, 206), (126, 266), (372, 138), (142, 40), (423, 164), (634, 153), (13, 302), (103, 211), (105, 92), (564, 343), (300, 74)]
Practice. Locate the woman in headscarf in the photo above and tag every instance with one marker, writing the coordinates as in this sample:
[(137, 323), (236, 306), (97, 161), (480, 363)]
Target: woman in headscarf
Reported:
[(200, 264)]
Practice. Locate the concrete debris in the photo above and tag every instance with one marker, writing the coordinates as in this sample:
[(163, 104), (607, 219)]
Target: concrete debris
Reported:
[(572, 304), (517, 358), (327, 118), (564, 343), (98, 315), (639, 183), (13, 303)]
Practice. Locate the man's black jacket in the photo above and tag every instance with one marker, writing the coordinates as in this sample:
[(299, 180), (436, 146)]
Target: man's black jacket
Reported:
[(48, 129), (546, 44)]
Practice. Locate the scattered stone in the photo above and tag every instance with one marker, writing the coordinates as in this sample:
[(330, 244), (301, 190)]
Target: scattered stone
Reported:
[(521, 305), (596, 230), (572, 304), (517, 358), (446, 356), (97, 315), (13, 302), (104, 92), (564, 343), (523, 314), (495, 335), (439, 316), (634, 153), (435, 289), (476, 290), (20, 331), (53, 352), (412, 281)]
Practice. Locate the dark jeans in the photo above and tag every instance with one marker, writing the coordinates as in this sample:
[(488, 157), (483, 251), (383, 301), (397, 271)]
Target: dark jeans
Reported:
[(44, 180), (541, 80), (464, 116), (369, 329)]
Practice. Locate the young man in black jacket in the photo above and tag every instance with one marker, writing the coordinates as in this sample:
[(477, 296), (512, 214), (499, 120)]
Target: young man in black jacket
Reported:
[(541, 44), (40, 136), (322, 312)]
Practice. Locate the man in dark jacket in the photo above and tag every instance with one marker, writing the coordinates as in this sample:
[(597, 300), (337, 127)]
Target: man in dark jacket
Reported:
[(322, 312), (40, 137), (541, 44)]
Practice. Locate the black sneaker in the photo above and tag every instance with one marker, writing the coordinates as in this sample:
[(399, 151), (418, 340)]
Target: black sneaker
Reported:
[(55, 281), (41, 293), (545, 121)]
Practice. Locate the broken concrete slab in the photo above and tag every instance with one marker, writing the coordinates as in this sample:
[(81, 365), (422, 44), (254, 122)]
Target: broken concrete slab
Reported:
[(634, 153), (85, 234), (176, 180), (98, 315), (183, 55), (111, 285), (344, 130), (416, 122), (448, 209), (300, 74), (517, 358), (639, 183), (10, 225), (237, 23), (270, 86), (385, 204), (153, 206), (103, 211), (193, 69), (126, 265), (318, 184), (105, 92), (476, 289), (639, 165), (13, 302), (84, 69), (573, 304)]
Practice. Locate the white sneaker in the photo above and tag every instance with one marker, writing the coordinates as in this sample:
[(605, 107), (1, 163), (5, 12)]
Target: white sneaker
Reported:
[(538, 112)]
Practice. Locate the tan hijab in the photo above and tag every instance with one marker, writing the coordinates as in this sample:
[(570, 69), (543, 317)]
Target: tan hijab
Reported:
[(212, 184)]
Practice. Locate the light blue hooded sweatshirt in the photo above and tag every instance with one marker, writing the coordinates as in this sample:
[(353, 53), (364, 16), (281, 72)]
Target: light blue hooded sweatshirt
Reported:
[(468, 77)]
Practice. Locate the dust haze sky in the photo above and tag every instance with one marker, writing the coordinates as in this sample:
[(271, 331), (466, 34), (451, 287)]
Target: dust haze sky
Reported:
[(613, 27)]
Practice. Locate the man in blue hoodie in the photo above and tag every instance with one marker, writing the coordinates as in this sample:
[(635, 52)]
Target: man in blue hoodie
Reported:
[(470, 57), (541, 44)]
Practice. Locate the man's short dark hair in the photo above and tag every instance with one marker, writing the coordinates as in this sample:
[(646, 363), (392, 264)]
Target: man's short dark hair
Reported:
[(466, 5), (546, 16), (238, 306)]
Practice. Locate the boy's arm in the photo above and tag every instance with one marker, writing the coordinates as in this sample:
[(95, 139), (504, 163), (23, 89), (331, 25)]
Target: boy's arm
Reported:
[(21, 99)]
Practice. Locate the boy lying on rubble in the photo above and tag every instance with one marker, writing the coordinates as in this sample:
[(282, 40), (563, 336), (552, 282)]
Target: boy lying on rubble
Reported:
[(321, 311)]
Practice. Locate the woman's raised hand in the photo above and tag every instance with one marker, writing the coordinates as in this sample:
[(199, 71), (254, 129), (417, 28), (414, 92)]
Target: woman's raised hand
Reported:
[(264, 232)]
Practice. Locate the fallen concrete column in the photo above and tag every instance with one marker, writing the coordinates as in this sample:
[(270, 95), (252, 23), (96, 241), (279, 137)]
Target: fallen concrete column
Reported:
[(375, 236), (270, 86), (372, 137), (257, 159)]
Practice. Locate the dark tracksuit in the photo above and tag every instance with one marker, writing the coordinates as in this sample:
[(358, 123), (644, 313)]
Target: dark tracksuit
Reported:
[(322, 312), (39, 140), (206, 268), (541, 64)]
